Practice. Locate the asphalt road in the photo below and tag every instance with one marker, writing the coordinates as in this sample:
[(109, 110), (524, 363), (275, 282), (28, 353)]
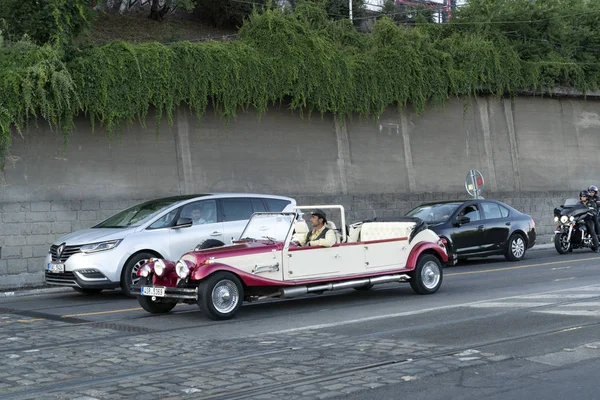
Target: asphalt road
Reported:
[(495, 329)]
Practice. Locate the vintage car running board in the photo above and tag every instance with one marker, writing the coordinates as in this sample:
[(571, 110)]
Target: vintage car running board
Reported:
[(294, 291)]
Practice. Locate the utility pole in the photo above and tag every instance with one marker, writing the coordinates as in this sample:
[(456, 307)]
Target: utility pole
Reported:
[(350, 5)]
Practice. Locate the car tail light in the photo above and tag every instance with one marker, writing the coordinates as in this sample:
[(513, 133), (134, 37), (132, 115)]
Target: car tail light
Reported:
[(443, 242), (532, 223)]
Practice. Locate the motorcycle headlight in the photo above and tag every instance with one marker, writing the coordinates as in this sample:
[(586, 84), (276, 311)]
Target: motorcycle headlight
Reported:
[(159, 267), (182, 269), (100, 246), (572, 219), (555, 219), (564, 219)]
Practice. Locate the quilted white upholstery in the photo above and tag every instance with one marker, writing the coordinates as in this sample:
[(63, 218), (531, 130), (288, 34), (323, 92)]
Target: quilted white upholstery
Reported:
[(385, 230)]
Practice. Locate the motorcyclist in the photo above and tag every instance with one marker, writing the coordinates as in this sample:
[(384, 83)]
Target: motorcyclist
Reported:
[(593, 190), (592, 221)]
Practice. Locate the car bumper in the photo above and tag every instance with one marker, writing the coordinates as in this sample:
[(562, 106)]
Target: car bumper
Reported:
[(170, 293), (88, 271)]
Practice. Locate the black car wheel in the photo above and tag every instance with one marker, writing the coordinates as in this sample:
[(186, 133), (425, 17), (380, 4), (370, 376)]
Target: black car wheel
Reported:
[(151, 306), (561, 244), (129, 275), (87, 291), (427, 276), (221, 295), (516, 248)]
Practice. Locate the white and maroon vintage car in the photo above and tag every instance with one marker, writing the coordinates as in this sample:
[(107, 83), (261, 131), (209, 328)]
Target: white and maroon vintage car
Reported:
[(267, 263)]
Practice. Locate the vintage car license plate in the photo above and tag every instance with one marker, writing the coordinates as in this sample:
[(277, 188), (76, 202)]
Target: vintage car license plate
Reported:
[(56, 268), (153, 291)]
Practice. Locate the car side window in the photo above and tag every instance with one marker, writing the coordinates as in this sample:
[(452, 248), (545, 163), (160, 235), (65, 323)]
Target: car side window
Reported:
[(237, 209), (471, 211), (276, 205), (504, 211), (491, 210), (200, 212), (166, 220), (258, 205)]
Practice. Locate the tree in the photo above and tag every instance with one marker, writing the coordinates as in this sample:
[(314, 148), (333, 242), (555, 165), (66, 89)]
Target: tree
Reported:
[(56, 21)]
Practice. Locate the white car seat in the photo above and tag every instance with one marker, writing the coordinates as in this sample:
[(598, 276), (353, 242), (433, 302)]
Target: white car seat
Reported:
[(301, 229), (338, 235), (354, 232)]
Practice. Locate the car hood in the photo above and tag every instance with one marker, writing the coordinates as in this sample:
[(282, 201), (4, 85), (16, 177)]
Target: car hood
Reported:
[(94, 235)]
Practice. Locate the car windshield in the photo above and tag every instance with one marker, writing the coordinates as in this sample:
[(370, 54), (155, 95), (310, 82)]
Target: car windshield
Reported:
[(268, 226), (434, 212), (136, 214)]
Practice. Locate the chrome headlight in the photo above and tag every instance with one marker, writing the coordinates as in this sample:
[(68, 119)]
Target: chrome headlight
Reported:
[(555, 219), (159, 267), (100, 246), (564, 219), (145, 271), (182, 269), (572, 219)]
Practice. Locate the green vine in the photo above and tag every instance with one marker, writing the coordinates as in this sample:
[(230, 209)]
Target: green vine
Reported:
[(302, 59)]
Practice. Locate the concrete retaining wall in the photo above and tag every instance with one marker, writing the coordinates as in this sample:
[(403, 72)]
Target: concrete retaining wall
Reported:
[(533, 153)]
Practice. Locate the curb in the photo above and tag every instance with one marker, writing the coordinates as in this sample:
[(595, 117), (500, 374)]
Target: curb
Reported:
[(33, 292)]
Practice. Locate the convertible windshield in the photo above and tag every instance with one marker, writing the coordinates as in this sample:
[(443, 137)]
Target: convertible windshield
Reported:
[(136, 214), (268, 226), (434, 212)]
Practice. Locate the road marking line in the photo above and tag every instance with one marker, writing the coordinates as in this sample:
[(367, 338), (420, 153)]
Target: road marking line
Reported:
[(564, 279), (30, 320), (520, 267), (559, 268), (102, 312), (420, 311)]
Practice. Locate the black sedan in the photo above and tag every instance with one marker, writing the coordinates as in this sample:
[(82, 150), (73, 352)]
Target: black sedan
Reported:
[(479, 228)]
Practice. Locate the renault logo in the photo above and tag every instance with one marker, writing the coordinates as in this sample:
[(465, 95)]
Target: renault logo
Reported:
[(60, 250)]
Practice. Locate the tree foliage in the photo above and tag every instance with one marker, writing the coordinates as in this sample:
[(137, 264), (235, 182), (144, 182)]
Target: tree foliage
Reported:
[(308, 62), (56, 21)]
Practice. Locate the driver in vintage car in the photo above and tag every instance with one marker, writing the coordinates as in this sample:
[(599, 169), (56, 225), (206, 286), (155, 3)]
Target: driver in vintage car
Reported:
[(320, 235), (592, 222)]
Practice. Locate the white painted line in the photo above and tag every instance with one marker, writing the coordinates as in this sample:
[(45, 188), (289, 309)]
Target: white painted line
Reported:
[(506, 304), (584, 304), (578, 313), (562, 296), (424, 310)]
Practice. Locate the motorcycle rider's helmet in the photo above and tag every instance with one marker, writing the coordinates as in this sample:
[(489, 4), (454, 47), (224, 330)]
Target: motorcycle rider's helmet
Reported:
[(594, 188), (584, 193)]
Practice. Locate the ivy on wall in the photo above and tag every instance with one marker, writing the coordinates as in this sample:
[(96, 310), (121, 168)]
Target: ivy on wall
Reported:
[(301, 59)]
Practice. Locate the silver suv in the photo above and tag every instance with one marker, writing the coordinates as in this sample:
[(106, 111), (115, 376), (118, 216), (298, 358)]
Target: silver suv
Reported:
[(109, 254)]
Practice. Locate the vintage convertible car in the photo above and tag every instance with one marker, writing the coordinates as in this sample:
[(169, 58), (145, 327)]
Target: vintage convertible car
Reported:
[(267, 263)]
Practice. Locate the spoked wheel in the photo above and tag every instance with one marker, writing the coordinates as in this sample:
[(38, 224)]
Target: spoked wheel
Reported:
[(221, 295), (516, 248), (561, 243), (427, 276), (153, 307)]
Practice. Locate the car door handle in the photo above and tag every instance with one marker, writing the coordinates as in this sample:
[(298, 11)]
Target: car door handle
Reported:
[(215, 233), (508, 223), (480, 227)]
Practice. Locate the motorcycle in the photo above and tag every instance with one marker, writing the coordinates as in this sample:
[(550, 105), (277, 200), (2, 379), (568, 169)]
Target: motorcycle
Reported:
[(571, 231)]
